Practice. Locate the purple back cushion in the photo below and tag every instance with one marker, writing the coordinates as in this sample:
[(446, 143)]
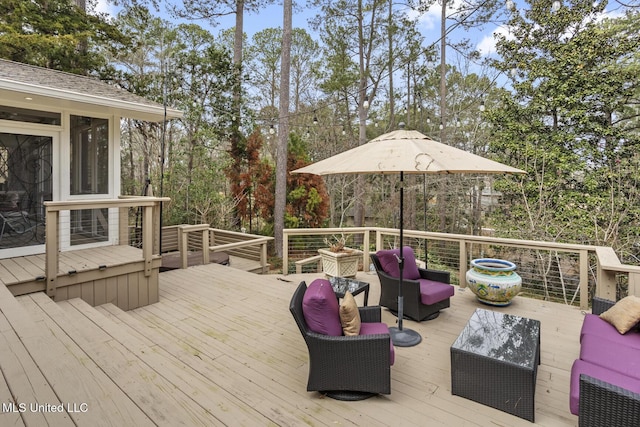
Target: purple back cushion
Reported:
[(320, 308), (389, 263)]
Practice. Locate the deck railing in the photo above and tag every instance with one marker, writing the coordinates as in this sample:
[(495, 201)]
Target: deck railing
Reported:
[(568, 273), (200, 237), (150, 213)]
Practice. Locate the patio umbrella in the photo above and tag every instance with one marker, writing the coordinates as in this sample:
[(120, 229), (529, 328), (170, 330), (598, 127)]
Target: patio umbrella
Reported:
[(405, 152)]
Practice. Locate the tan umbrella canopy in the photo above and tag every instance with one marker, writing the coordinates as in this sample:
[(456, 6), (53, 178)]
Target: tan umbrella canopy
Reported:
[(405, 151)]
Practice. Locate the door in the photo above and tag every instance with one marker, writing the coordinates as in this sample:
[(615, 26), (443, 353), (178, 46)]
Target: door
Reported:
[(26, 182), (89, 178)]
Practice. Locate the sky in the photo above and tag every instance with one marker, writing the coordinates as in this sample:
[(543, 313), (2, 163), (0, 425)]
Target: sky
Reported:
[(429, 24), (271, 16)]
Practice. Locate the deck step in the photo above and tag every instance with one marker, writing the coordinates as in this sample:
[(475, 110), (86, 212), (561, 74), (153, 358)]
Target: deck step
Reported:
[(77, 377), (187, 369), (165, 390), (22, 383)]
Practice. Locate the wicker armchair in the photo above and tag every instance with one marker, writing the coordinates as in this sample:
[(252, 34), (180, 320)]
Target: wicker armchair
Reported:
[(604, 404), (345, 367), (413, 306)]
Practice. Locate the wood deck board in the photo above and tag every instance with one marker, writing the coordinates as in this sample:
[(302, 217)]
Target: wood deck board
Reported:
[(180, 373), (77, 379), (226, 336), (164, 387), (25, 383), (220, 370), (439, 335), (28, 268)]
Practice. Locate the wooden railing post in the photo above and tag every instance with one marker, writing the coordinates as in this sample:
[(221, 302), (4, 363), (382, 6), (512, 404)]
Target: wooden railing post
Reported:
[(606, 273), (51, 254), (183, 246), (205, 245), (263, 257), (285, 252), (147, 239), (634, 283), (462, 272), (378, 240), (123, 226), (584, 280), (366, 260)]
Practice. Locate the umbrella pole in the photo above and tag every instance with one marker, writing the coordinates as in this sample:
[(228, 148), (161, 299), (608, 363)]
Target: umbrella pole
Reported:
[(399, 336)]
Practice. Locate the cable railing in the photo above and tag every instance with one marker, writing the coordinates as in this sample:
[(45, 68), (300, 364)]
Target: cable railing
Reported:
[(560, 272)]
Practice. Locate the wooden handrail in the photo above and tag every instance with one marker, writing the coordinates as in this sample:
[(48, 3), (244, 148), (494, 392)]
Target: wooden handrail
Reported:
[(125, 202), (608, 266), (52, 213), (206, 247)]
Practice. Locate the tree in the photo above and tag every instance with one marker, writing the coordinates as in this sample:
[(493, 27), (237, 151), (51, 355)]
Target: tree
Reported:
[(283, 137), (571, 122), (143, 70), (358, 28), (182, 66), (49, 33), (199, 9)]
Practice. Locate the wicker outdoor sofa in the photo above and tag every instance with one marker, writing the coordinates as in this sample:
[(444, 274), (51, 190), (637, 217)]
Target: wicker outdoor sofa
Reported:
[(605, 380)]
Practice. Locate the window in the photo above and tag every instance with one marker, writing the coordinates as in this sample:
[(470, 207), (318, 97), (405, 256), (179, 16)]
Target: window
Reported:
[(29, 116), (89, 155)]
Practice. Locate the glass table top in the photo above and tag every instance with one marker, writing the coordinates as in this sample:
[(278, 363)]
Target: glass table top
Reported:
[(501, 336), (341, 285)]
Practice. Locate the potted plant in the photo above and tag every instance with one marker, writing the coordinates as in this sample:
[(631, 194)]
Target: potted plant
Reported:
[(338, 260)]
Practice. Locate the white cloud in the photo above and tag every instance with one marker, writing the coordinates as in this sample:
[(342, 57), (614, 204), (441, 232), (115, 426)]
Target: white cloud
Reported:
[(103, 6), (487, 46), (431, 19)]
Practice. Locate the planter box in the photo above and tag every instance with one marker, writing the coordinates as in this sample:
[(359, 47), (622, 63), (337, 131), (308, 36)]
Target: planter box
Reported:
[(340, 264)]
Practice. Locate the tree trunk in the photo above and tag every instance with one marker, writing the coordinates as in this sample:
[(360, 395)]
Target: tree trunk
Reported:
[(283, 134), (443, 73), (237, 94)]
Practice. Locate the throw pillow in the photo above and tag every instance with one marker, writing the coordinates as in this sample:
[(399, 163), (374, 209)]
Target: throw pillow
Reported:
[(389, 262), (349, 315), (625, 314), (320, 308)]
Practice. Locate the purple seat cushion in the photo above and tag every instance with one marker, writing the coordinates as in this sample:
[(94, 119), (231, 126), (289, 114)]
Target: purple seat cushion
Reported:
[(375, 329), (608, 354), (601, 373), (320, 308), (432, 292), (390, 264), (594, 325)]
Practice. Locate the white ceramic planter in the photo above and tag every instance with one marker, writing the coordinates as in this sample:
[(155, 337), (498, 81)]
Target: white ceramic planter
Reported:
[(340, 264)]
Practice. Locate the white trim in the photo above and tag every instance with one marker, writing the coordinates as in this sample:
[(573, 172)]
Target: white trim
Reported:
[(65, 94)]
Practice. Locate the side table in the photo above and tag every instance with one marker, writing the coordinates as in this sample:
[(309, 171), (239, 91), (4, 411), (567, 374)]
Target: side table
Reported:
[(494, 361), (341, 285)]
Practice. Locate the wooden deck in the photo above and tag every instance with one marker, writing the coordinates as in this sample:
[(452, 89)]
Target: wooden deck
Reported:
[(221, 348), (98, 275)]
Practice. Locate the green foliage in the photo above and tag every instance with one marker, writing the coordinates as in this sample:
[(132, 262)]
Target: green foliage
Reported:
[(56, 34), (571, 123)]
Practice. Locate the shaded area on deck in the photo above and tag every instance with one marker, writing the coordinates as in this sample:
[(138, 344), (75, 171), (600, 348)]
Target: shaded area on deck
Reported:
[(221, 348), (173, 260)]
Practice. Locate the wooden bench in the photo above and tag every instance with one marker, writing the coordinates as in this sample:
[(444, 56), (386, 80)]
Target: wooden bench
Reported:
[(301, 263)]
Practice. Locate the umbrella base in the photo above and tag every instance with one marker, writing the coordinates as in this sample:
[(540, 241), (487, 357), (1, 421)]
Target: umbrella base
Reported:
[(404, 337)]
